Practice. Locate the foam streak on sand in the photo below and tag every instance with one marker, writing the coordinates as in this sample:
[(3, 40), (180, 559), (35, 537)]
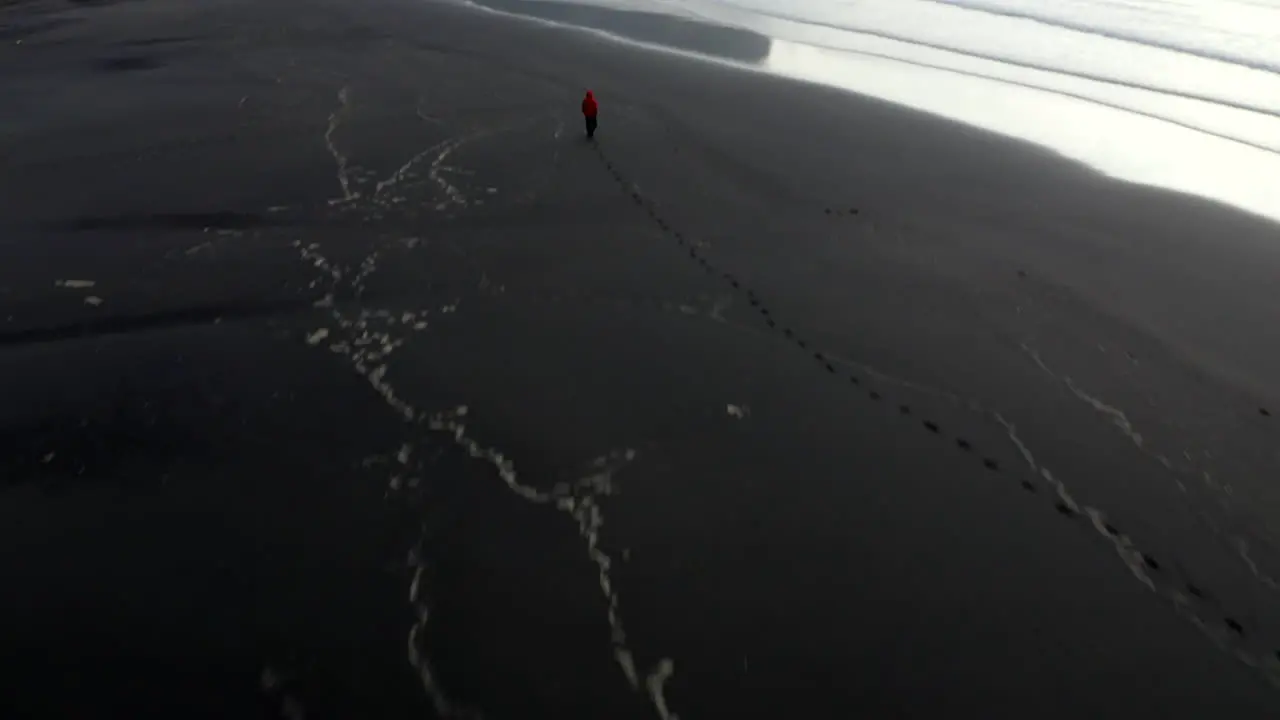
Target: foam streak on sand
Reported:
[(368, 351), (418, 660), (405, 171), (1132, 558), (1138, 563), (656, 683), (1124, 424), (581, 501), (1124, 546), (1242, 549), (1118, 418), (335, 120), (452, 193)]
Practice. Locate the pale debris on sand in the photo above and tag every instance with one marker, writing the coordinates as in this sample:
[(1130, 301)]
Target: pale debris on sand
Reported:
[(656, 682)]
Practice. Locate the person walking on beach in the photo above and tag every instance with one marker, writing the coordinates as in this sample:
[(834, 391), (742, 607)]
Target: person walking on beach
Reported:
[(589, 111)]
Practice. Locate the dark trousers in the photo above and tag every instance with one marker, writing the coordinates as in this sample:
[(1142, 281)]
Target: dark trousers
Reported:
[(591, 126)]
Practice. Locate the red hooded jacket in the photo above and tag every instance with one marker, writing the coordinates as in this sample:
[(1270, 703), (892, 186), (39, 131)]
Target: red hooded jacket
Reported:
[(589, 107)]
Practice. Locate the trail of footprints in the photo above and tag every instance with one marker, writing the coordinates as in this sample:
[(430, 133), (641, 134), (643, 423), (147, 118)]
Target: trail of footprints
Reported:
[(1209, 610)]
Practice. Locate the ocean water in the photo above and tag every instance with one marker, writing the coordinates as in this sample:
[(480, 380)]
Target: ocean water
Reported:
[(1182, 94)]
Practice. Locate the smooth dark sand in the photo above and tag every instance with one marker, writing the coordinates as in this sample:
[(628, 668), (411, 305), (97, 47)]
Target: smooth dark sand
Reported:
[(851, 411)]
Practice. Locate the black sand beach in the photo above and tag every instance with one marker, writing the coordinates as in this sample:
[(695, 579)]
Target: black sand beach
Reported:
[(343, 378)]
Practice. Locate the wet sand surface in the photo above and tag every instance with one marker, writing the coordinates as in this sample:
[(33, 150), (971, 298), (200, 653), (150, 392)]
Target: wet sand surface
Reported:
[(343, 377)]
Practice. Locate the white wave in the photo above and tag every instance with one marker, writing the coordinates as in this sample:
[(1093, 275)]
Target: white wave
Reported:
[(1242, 33)]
